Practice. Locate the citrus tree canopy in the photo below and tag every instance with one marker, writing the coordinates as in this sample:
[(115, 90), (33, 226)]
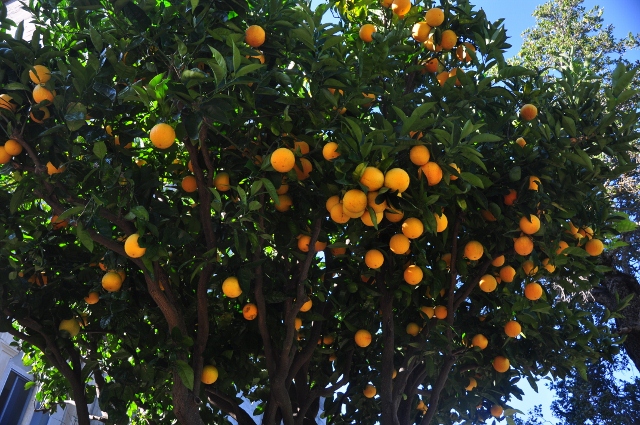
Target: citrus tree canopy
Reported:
[(245, 200)]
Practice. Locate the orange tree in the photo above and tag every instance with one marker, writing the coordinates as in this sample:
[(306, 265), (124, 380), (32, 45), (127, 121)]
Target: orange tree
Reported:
[(205, 203)]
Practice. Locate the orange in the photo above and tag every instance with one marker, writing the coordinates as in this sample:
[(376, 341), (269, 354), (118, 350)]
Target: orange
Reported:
[(441, 222), (428, 311), (330, 151), (586, 231), (523, 245), (412, 228), (250, 311), (472, 384), (419, 155), (431, 66), (449, 39), (480, 341), (434, 17), (498, 261), (413, 274), (12, 147), (305, 172), (447, 259), (52, 169), (58, 224), (337, 214), (5, 102), (92, 298), (501, 364), (594, 247), (562, 245), (507, 273), (441, 312), (528, 112), (254, 36), (369, 391), (338, 251), (442, 77), (533, 291), (41, 114), (221, 181), (521, 142), (366, 32), (399, 244), (394, 215), (420, 31), (549, 267), (396, 179), (333, 200), (496, 410), (209, 375), (328, 339), (354, 201), (412, 329), (4, 155), (455, 167), (132, 248), (529, 225), (306, 306), (284, 188), (300, 145), (372, 178), (41, 74), (488, 216), (284, 203), (283, 160), (298, 323), (231, 287), (373, 259), (189, 184), (368, 221), (41, 93), (452, 74), (70, 325), (529, 268), (401, 7), (488, 283), (462, 52), (386, 3), (162, 135), (510, 198), (371, 202), (111, 281), (432, 172), (370, 96), (362, 338), (534, 183), (473, 250), (303, 243), (429, 44), (512, 328)]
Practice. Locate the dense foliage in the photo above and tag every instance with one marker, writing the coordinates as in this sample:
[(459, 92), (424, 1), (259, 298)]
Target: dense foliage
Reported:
[(510, 168)]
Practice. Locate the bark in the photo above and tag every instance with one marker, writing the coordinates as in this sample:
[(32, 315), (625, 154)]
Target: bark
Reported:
[(184, 404)]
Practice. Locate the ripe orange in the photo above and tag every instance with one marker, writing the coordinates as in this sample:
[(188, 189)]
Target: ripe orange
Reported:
[(441, 312), (452, 74), (496, 410), (412, 228), (333, 200), (4, 155), (300, 145), (488, 283), (250, 311), (529, 225), (284, 203), (372, 178), (41, 74), (528, 112), (441, 222), (562, 245), (420, 31), (523, 245), (354, 201), (534, 183), (366, 32), (306, 306), (455, 167), (488, 216), (369, 391), (399, 244), (431, 66), (41, 114), (501, 364), (231, 287), (386, 3), (373, 259), (298, 323), (209, 375), (413, 274), (510, 198), (432, 172), (396, 179), (254, 36), (419, 154), (507, 273), (284, 188), (529, 268), (303, 242), (330, 151), (521, 142), (401, 7), (480, 341), (5, 102), (328, 339), (41, 93), (111, 281), (189, 184), (594, 247), (92, 298), (362, 338), (533, 291), (132, 248), (369, 96), (221, 181), (367, 219), (338, 215), (447, 259), (498, 261), (305, 172), (338, 251), (162, 135), (12, 147), (52, 169), (512, 328), (449, 39), (283, 160), (547, 265), (472, 384), (428, 311), (462, 52), (394, 215), (434, 17), (57, 223), (473, 250), (70, 325), (412, 329), (442, 77)]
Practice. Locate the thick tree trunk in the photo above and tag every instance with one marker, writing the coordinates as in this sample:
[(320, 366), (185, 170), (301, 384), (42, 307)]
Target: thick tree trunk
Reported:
[(184, 404), (623, 284)]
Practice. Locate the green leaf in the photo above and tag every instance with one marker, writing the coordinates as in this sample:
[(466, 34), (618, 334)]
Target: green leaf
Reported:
[(248, 69), (236, 57), (96, 39), (17, 198), (569, 125), (185, 373), (83, 236), (515, 71), (575, 251), (485, 137), (100, 149), (71, 212), (472, 178)]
